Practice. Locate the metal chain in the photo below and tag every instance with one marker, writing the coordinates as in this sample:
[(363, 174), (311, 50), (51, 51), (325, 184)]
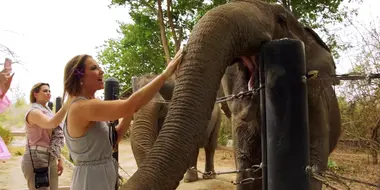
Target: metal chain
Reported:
[(312, 75), (252, 169), (239, 95)]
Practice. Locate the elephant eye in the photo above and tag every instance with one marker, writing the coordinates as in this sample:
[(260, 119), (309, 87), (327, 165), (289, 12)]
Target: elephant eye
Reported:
[(281, 19)]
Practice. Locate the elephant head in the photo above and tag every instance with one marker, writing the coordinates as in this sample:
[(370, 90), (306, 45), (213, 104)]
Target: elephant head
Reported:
[(147, 121), (230, 33)]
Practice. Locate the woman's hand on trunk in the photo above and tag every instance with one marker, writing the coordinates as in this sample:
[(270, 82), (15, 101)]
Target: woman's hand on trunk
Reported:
[(146, 93), (123, 127), (173, 64)]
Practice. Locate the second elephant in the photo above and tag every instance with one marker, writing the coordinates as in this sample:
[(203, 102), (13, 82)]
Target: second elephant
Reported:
[(147, 123)]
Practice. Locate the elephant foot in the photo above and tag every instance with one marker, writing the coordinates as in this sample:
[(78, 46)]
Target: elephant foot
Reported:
[(190, 176), (209, 175)]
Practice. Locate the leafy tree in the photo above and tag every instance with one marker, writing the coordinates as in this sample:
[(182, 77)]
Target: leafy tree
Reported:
[(319, 14), (160, 27), (360, 116), (138, 52)]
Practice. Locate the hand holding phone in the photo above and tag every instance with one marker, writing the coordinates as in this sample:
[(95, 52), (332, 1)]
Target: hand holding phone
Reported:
[(8, 65), (6, 77)]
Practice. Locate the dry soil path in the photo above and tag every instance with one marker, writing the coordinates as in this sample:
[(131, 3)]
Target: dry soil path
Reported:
[(11, 177), (353, 164)]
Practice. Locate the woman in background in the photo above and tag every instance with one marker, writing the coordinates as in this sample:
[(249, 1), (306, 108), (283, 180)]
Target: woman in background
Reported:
[(44, 138)]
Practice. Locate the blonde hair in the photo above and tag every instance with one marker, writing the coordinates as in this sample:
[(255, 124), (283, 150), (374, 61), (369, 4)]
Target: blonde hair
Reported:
[(36, 89), (74, 71)]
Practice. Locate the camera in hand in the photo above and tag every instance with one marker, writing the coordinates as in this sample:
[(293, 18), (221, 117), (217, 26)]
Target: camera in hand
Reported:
[(41, 176)]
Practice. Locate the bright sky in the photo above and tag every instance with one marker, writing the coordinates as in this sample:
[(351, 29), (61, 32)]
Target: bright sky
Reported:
[(45, 34)]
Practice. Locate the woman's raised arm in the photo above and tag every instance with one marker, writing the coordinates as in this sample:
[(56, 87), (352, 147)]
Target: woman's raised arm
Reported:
[(37, 117), (97, 110)]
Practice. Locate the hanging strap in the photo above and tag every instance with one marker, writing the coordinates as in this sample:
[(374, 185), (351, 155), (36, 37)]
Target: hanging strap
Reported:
[(30, 153)]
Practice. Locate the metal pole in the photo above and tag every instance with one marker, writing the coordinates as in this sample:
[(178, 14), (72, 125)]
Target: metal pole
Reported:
[(111, 92), (50, 105), (134, 87), (263, 125), (58, 104), (286, 115)]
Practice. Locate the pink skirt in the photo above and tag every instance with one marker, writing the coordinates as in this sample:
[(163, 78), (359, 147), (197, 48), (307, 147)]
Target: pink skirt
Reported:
[(4, 152)]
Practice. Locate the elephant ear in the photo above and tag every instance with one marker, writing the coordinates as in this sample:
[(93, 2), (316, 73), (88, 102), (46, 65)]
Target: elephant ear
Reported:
[(166, 91), (317, 38), (287, 25)]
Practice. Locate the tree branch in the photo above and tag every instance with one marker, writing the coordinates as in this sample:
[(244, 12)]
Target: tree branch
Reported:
[(149, 6), (163, 33), (172, 27)]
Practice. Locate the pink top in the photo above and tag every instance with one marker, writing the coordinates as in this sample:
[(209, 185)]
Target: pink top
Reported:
[(37, 135), (5, 102)]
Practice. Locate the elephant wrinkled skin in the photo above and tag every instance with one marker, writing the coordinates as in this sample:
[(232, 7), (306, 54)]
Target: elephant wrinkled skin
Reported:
[(149, 119), (228, 34)]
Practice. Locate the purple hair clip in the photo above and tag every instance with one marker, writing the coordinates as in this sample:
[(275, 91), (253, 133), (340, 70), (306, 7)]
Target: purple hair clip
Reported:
[(78, 73)]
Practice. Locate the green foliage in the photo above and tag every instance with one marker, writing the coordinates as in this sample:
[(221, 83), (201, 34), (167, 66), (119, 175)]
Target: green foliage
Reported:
[(333, 166), (20, 103), (360, 102), (16, 150), (225, 133), (138, 52), (319, 14), (6, 135), (14, 116), (65, 153)]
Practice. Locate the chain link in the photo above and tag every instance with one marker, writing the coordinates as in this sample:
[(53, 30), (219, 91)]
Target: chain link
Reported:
[(239, 95), (252, 169)]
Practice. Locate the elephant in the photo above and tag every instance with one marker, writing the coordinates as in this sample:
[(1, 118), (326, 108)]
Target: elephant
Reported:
[(229, 37), (148, 121)]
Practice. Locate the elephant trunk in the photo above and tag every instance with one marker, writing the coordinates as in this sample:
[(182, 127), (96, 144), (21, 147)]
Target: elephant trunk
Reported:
[(144, 131), (223, 34)]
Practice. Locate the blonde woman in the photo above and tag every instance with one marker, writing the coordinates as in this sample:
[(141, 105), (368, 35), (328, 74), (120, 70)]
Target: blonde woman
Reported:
[(85, 128), (41, 161)]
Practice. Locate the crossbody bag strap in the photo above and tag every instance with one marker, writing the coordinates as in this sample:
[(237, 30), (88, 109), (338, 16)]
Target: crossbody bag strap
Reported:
[(30, 154)]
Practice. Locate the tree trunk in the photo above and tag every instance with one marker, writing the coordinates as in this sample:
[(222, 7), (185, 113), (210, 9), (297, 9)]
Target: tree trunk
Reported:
[(374, 144), (172, 27), (163, 32)]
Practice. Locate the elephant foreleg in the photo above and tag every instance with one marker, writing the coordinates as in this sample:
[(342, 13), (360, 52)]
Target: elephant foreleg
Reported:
[(247, 153), (319, 136), (210, 151), (192, 174)]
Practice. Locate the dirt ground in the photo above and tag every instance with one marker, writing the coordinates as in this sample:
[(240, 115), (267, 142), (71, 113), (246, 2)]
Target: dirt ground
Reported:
[(348, 162)]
